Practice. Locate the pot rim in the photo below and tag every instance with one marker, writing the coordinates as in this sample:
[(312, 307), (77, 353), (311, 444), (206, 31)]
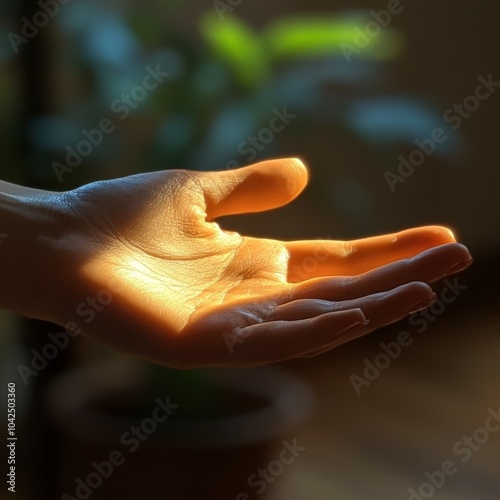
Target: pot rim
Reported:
[(290, 402)]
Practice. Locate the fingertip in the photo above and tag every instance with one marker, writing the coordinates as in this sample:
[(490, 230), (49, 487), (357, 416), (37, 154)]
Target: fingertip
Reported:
[(420, 288), (347, 325), (344, 320), (440, 261), (302, 172), (357, 315), (261, 186), (292, 171), (357, 318), (441, 233)]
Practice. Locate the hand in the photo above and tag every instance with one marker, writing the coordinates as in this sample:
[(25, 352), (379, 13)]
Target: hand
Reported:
[(186, 293)]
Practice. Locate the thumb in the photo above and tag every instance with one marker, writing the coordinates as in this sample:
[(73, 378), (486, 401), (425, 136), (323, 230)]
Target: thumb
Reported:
[(262, 186)]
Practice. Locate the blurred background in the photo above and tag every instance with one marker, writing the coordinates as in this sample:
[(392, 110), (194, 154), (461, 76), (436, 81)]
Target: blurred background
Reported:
[(381, 100)]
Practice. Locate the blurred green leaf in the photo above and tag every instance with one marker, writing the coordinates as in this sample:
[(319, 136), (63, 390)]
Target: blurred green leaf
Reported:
[(299, 37), (233, 41), (146, 27)]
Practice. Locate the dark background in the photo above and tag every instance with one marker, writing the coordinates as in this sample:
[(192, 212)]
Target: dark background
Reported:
[(380, 443)]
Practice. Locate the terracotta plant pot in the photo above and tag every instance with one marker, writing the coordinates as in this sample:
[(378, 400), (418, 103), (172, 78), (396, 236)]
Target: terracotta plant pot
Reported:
[(107, 454)]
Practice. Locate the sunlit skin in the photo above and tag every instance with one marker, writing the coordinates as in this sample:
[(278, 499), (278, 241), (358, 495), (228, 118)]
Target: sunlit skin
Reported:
[(186, 293)]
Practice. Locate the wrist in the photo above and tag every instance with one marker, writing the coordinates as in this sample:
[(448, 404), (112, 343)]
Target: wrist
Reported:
[(29, 225)]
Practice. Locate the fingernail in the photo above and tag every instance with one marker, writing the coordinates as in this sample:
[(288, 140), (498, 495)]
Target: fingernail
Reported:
[(422, 304), (455, 268), (354, 325)]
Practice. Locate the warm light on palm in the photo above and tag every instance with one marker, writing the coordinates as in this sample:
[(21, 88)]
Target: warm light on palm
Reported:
[(183, 286)]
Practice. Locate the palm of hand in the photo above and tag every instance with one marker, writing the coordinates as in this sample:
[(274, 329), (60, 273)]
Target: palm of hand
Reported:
[(185, 286), (166, 248)]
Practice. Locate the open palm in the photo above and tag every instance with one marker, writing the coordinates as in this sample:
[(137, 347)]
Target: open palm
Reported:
[(187, 293)]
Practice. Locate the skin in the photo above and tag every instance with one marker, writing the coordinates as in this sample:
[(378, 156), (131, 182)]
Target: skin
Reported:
[(186, 293)]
